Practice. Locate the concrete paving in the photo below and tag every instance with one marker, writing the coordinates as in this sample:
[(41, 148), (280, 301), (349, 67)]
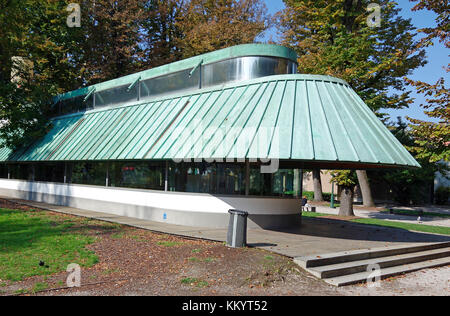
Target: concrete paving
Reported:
[(314, 237)]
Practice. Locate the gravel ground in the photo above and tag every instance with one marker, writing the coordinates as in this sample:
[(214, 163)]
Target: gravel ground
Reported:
[(138, 262)]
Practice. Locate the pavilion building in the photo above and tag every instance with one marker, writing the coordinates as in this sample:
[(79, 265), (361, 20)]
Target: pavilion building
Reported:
[(186, 142)]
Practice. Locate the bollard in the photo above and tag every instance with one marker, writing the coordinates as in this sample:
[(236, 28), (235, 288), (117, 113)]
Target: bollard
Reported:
[(237, 229)]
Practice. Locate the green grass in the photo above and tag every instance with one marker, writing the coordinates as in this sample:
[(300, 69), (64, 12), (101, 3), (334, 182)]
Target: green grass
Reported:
[(384, 223), (118, 236), (38, 287), (314, 215), (194, 282), (169, 243), (406, 226), (417, 213), (26, 238)]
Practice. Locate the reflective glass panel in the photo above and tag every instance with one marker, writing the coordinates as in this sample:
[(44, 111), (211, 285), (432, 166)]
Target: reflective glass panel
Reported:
[(116, 96)]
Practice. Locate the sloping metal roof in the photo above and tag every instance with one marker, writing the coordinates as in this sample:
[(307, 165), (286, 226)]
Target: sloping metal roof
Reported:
[(301, 118)]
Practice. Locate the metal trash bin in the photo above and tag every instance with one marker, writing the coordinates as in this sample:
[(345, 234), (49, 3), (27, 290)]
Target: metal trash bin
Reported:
[(237, 229)]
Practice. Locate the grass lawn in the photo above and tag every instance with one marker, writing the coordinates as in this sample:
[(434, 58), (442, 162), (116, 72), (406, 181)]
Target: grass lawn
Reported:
[(385, 223), (29, 237)]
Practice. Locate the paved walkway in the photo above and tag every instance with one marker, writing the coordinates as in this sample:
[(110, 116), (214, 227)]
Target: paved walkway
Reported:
[(425, 220), (314, 237)]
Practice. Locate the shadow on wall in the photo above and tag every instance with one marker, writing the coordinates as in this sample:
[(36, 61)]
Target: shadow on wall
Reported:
[(61, 194)]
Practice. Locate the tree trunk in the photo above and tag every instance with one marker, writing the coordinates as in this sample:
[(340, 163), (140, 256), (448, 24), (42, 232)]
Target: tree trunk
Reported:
[(318, 197), (365, 188), (346, 208)]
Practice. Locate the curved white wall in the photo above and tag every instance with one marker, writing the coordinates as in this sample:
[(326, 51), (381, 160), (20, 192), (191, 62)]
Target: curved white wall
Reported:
[(169, 207)]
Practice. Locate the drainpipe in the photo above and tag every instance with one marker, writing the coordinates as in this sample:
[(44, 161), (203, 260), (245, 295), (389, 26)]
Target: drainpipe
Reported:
[(65, 172), (247, 177), (166, 178), (33, 173), (107, 175)]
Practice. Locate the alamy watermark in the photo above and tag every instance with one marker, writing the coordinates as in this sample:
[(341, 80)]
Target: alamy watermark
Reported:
[(374, 18), (374, 278), (74, 18), (74, 277), (211, 144)]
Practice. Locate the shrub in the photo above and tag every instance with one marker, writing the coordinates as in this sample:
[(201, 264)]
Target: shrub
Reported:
[(442, 195)]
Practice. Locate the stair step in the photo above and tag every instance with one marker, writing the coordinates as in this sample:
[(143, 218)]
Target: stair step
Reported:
[(336, 270), (388, 272), (365, 254)]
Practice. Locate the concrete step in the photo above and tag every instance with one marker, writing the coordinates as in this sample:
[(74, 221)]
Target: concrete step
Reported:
[(388, 272), (352, 267), (365, 254)]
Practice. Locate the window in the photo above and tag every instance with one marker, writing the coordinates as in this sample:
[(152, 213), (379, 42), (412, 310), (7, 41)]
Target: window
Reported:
[(139, 175), (92, 173), (178, 81), (49, 172), (116, 96), (245, 68)]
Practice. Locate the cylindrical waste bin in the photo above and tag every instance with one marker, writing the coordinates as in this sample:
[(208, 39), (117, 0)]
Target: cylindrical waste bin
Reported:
[(237, 229)]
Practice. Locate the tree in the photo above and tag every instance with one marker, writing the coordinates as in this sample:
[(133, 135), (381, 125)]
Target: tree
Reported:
[(318, 196), (111, 46), (161, 31), (333, 38), (346, 180), (363, 180), (209, 25), (35, 33), (432, 139), (409, 186)]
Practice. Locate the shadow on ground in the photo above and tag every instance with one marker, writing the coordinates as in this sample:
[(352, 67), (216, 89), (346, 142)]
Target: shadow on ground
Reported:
[(338, 229)]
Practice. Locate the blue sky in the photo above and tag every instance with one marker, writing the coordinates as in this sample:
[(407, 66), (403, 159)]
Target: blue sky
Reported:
[(438, 55)]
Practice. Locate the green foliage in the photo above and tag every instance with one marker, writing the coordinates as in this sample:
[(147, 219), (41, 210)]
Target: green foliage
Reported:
[(310, 196), (432, 139), (34, 31), (409, 185), (344, 178), (442, 195), (334, 38)]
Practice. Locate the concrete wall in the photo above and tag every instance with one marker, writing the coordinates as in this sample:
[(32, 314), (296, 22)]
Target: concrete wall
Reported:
[(199, 210)]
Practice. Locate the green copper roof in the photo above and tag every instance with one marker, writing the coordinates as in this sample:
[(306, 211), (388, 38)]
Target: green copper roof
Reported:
[(227, 53), (297, 118)]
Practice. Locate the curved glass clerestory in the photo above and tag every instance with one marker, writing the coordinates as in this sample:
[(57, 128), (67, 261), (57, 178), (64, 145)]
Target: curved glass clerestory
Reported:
[(202, 76)]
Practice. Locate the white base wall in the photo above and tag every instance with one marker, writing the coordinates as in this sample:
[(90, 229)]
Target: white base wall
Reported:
[(198, 210)]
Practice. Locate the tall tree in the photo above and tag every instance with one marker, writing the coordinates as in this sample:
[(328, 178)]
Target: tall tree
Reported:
[(318, 196), (209, 25), (161, 31), (35, 33), (112, 39), (366, 191), (432, 139), (346, 180), (334, 38)]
